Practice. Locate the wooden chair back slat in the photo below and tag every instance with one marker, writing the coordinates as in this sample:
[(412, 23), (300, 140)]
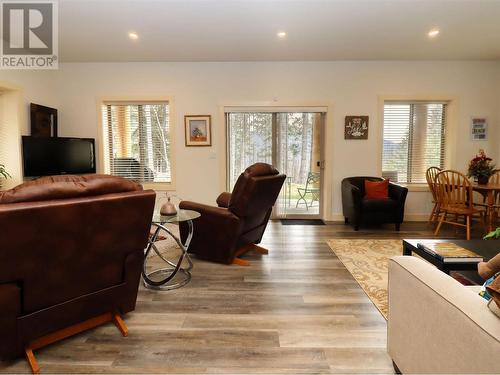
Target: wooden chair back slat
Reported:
[(495, 179), (454, 188), (430, 176)]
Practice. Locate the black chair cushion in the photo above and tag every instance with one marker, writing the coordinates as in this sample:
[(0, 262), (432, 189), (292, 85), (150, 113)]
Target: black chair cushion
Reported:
[(380, 204)]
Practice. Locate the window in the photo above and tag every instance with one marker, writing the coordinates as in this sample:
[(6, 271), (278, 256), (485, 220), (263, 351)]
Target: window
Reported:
[(288, 138), (137, 142), (250, 137), (414, 139)]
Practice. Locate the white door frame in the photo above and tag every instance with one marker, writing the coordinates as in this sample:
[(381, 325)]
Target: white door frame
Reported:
[(325, 175)]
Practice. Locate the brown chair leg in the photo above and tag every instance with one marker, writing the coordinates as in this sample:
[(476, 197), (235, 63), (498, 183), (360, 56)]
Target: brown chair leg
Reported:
[(439, 225), (433, 213), (32, 362), (241, 262), (70, 331), (468, 227), (120, 324), (438, 211), (259, 249)]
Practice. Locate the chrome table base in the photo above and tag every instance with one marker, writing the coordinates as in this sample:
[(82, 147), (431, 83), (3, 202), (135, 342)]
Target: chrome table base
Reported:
[(165, 281)]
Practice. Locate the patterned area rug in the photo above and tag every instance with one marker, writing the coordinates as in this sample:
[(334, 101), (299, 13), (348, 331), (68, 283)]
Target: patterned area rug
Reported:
[(165, 244), (367, 261)]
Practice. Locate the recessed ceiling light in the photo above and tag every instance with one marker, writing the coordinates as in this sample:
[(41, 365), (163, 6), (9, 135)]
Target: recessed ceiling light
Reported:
[(433, 33), (133, 36), (281, 34)]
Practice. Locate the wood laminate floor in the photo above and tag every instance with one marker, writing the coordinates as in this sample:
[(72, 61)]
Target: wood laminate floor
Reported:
[(296, 310)]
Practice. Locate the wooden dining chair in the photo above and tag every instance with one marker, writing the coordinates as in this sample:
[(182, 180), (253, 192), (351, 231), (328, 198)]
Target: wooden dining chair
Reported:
[(455, 197), (495, 180), (430, 176)]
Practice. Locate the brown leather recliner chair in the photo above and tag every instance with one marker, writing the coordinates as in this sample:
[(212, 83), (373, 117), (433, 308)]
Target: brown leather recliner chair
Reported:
[(71, 250), (223, 233)]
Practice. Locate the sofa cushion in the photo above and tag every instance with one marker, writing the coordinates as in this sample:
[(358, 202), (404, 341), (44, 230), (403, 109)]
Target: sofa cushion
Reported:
[(380, 204), (442, 314), (494, 307), (494, 289), (67, 186), (476, 289)]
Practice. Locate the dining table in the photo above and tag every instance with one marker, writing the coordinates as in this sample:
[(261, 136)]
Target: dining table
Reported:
[(489, 191)]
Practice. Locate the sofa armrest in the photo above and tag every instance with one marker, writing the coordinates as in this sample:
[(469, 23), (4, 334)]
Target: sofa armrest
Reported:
[(218, 213), (357, 198), (436, 325), (351, 196), (398, 192), (223, 199)]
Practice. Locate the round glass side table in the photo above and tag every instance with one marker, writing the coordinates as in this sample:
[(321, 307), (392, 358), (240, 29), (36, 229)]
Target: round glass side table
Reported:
[(163, 278)]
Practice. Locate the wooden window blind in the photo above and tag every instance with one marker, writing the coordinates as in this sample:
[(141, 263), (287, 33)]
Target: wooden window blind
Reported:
[(413, 140), (137, 142)]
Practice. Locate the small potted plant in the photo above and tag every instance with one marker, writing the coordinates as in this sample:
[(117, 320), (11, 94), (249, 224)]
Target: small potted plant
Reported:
[(481, 168), (3, 174), (493, 234)]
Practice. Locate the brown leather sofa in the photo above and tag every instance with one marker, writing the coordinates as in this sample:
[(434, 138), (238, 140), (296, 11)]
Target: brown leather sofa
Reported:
[(71, 250), (222, 233)]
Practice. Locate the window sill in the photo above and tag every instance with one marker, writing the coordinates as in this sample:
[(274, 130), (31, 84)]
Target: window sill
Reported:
[(416, 187), (161, 186)]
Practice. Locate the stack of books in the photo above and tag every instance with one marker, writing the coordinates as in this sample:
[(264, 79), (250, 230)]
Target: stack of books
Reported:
[(448, 252)]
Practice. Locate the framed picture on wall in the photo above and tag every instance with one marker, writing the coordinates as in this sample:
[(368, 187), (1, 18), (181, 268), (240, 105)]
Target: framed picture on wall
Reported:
[(198, 130), (356, 127), (479, 129), (43, 121)]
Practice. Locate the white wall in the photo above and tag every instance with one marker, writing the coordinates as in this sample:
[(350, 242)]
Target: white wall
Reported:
[(348, 88), (498, 111), (36, 87), (18, 89)]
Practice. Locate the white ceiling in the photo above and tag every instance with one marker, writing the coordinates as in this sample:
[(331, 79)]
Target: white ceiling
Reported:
[(245, 30)]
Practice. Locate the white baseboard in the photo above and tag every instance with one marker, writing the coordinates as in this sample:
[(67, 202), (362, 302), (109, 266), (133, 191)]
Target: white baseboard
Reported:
[(408, 217), (335, 218), (417, 217)]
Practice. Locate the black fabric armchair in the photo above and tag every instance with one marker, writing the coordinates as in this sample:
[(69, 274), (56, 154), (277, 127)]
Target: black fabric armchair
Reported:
[(358, 210)]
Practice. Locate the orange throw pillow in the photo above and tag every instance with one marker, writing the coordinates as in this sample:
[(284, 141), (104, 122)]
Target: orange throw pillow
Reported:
[(376, 189)]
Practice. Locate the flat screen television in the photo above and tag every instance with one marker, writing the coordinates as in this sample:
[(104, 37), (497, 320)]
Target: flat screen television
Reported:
[(45, 156)]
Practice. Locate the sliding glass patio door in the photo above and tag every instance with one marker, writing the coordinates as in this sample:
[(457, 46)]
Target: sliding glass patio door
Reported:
[(291, 141)]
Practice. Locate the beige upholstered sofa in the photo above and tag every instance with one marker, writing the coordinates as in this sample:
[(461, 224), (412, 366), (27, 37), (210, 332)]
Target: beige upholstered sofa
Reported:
[(437, 325)]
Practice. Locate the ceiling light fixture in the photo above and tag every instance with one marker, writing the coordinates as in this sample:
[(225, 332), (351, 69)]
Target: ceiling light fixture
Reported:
[(433, 33), (281, 34), (133, 36)]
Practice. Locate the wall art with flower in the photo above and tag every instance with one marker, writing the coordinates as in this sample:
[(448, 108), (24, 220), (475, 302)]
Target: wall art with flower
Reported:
[(198, 130), (356, 127)]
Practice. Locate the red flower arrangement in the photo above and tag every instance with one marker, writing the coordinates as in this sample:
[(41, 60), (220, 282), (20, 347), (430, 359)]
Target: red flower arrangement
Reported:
[(481, 167)]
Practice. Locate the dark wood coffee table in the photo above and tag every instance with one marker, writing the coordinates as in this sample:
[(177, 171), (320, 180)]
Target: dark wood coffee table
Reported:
[(485, 248)]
